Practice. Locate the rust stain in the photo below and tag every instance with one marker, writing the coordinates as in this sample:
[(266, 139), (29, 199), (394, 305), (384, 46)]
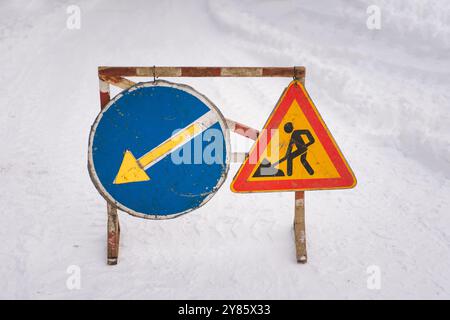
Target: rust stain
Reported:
[(118, 71), (200, 71), (112, 242), (104, 99), (284, 72), (299, 195)]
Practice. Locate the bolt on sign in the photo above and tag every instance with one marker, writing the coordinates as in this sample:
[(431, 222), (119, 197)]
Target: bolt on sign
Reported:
[(295, 151), (160, 149)]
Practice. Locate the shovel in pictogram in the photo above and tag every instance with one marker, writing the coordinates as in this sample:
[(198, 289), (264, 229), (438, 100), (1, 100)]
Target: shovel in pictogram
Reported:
[(267, 169)]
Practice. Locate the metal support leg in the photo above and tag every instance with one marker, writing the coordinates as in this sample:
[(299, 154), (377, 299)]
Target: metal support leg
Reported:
[(113, 235), (113, 228), (299, 227)]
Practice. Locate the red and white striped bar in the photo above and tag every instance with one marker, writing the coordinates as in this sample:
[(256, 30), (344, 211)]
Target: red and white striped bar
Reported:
[(120, 82), (242, 129), (285, 72)]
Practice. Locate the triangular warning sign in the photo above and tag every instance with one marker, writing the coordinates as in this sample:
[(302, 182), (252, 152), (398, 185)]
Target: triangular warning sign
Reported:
[(295, 151)]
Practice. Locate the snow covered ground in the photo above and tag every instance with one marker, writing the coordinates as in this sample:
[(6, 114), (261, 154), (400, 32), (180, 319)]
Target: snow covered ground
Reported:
[(383, 93)]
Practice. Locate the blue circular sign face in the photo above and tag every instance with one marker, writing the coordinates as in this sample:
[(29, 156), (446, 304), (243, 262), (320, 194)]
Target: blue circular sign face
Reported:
[(158, 150)]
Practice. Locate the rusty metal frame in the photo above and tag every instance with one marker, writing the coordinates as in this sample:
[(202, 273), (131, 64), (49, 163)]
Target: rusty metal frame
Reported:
[(289, 72), (116, 76)]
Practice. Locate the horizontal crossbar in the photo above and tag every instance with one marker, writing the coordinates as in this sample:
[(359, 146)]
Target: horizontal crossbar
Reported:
[(293, 72)]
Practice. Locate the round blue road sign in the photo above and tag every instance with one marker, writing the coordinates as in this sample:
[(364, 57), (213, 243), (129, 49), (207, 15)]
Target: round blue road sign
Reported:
[(158, 150)]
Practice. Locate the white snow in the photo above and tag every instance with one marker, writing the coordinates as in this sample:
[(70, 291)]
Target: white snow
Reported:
[(383, 93)]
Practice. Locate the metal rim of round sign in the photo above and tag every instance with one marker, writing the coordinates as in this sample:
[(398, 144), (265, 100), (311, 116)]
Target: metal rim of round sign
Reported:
[(220, 118)]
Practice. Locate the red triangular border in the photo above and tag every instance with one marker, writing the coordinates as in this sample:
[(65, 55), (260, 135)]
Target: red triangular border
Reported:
[(295, 91)]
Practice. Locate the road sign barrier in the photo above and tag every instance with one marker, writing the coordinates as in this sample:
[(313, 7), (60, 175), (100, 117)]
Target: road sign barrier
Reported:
[(140, 147)]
